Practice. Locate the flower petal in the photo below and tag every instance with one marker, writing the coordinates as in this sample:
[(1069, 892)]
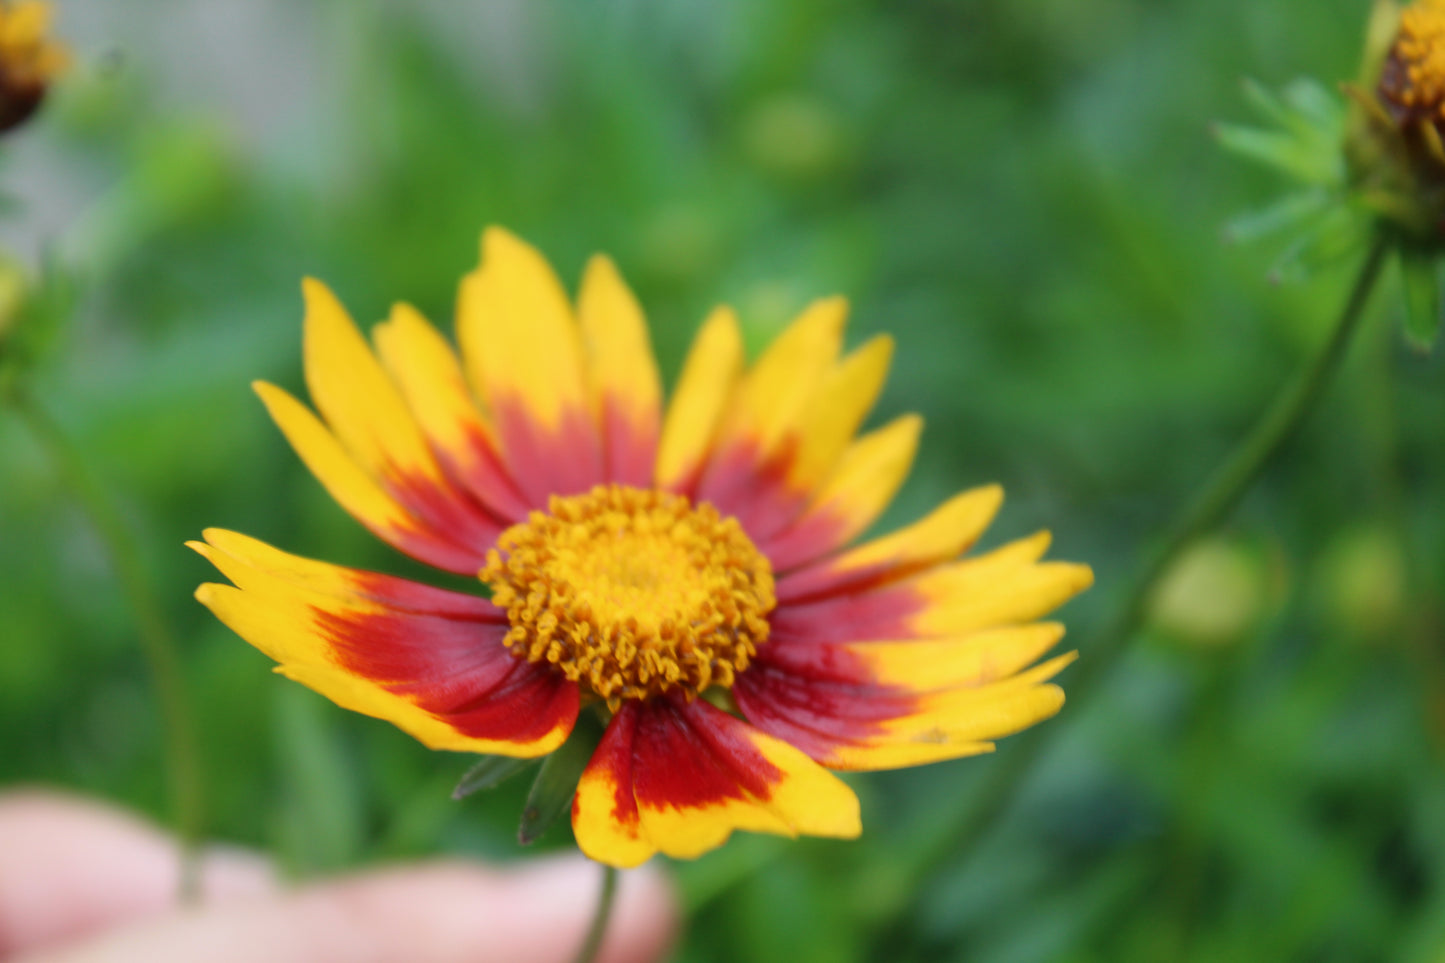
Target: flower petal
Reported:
[(883, 705), (867, 477), (782, 381), (367, 414), (349, 583), (523, 352), (709, 377), (426, 370), (884, 612), (769, 401), (361, 494), (999, 589), (678, 778), (831, 419), (1006, 586), (605, 818), (778, 488), (431, 662), (942, 534), (353, 394), (624, 373), (25, 24), (920, 665)]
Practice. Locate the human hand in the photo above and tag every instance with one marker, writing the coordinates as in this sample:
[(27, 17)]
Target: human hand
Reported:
[(83, 883)]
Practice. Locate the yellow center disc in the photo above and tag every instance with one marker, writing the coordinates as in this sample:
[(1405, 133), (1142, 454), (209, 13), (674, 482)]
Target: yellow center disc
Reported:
[(632, 593)]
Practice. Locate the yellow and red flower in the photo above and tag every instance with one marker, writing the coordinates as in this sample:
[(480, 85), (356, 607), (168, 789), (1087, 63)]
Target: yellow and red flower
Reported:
[(637, 561)]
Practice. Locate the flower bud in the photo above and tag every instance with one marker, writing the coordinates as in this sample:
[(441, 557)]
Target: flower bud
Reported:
[(1213, 594), (1364, 581), (1395, 147), (13, 289)]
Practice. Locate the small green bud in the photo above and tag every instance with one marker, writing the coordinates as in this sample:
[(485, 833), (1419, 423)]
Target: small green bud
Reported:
[(1212, 595), (14, 288), (1363, 579)]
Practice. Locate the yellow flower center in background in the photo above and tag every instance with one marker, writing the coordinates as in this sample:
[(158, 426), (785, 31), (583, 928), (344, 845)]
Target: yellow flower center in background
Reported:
[(1414, 76), (27, 56), (633, 593)]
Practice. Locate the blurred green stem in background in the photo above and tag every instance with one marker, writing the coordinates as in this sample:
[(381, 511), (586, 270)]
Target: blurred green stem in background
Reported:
[(157, 641), (592, 944), (1220, 493)]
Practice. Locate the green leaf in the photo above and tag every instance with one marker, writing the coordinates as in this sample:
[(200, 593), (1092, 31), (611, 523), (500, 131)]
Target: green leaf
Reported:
[(489, 772), (322, 827), (1422, 298), (556, 782)]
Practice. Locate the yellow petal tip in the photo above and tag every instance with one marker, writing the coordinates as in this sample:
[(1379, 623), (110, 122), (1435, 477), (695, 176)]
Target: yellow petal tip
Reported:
[(600, 263), (314, 290), (497, 240)]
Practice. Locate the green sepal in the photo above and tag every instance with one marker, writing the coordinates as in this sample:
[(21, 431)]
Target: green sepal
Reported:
[(1288, 211), (1422, 298), (1307, 108), (556, 782), (1320, 110), (1336, 234), (1285, 152), (1305, 135), (488, 773)]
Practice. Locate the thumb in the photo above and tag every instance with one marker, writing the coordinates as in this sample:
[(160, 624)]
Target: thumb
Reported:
[(442, 913)]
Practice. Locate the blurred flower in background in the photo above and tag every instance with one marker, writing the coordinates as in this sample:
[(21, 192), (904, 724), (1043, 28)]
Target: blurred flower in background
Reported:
[(29, 60)]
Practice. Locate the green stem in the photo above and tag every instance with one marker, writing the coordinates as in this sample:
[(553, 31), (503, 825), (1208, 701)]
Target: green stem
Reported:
[(155, 637), (1220, 493), (592, 944)]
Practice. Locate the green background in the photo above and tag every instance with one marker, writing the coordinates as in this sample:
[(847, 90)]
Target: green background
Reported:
[(1025, 194)]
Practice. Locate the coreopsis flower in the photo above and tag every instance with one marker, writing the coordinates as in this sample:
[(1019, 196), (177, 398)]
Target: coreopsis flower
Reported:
[(689, 578), (29, 60)]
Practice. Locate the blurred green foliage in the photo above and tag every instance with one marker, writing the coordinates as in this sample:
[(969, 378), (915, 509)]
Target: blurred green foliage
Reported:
[(1025, 194)]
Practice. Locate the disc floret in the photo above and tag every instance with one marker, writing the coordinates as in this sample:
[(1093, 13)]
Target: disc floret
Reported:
[(1412, 83), (633, 593)]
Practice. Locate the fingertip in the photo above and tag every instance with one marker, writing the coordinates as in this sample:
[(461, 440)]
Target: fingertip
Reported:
[(231, 873), (538, 910), (72, 866), (644, 919)]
